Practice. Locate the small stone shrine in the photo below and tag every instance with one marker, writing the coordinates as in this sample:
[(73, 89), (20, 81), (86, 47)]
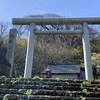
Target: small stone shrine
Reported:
[(69, 71)]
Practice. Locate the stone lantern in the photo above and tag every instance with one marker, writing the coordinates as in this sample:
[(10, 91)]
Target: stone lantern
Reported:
[(48, 73), (98, 70)]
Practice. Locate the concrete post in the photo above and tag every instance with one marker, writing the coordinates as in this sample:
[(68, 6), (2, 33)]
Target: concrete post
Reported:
[(87, 53), (30, 50)]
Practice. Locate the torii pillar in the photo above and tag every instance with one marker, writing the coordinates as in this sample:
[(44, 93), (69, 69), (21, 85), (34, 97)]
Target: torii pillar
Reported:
[(87, 53), (30, 51)]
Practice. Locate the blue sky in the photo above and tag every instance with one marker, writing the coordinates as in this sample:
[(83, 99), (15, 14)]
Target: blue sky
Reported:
[(70, 8)]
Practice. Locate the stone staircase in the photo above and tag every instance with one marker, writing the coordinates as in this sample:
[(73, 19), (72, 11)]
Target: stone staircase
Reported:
[(48, 89)]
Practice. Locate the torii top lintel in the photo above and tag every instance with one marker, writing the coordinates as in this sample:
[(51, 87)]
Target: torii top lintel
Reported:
[(55, 21)]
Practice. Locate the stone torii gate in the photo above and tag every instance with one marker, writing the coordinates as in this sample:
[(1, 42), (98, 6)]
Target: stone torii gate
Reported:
[(58, 21)]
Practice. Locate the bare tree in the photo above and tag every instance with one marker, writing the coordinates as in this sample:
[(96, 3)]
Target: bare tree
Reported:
[(22, 30), (4, 29)]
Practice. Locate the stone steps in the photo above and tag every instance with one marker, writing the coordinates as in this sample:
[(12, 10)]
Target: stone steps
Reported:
[(48, 89), (47, 79), (51, 92), (45, 82), (45, 97)]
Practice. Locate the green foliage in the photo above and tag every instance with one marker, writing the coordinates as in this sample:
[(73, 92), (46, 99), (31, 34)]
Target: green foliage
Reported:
[(95, 59), (44, 54), (6, 97), (20, 78), (21, 42), (85, 91), (15, 80), (20, 55), (95, 45), (85, 84), (28, 92), (53, 50), (37, 77), (58, 79), (68, 93), (82, 98)]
